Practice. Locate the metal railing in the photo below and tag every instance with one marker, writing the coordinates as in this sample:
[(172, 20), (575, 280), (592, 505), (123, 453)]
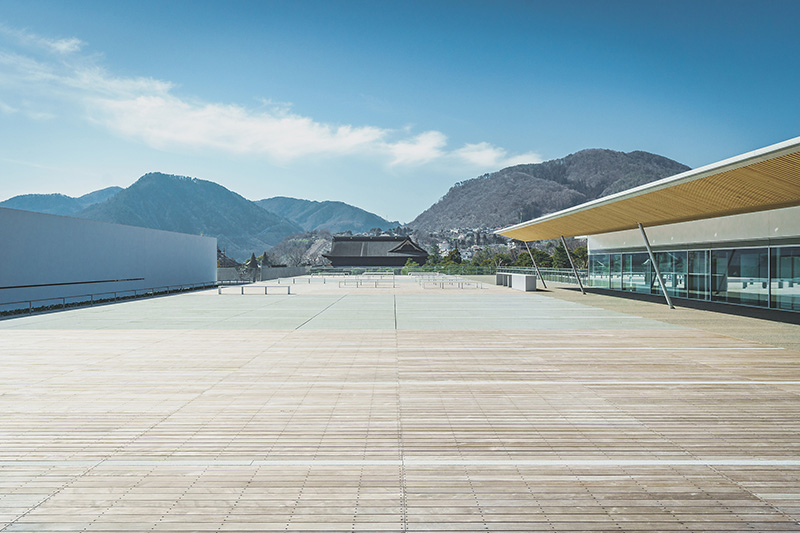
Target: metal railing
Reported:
[(561, 275), (27, 307), (255, 289)]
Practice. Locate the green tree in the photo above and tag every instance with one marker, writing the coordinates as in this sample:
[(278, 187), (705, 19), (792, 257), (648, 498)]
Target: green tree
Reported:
[(503, 259), (560, 259), (482, 258), (523, 260), (543, 259), (434, 255), (410, 266), (453, 257), (581, 257)]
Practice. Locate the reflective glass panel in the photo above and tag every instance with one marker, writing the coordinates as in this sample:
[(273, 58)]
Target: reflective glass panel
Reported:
[(672, 266), (598, 270), (615, 271), (698, 275), (636, 273), (785, 277), (740, 276)]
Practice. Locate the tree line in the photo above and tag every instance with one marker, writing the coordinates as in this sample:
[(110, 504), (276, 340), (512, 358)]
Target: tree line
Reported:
[(508, 256)]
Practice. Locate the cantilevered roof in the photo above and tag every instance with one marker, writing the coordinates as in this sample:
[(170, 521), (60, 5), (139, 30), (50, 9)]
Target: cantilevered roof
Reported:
[(768, 178)]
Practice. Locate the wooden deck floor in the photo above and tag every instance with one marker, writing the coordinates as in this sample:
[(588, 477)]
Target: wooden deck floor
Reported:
[(194, 413)]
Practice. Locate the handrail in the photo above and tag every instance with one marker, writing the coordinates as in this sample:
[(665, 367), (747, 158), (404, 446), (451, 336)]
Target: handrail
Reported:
[(90, 299), (561, 275)]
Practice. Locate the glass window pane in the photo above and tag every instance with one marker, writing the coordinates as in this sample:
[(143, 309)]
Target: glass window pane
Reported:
[(698, 275), (615, 271), (598, 270), (740, 276), (637, 276), (785, 278), (672, 266)]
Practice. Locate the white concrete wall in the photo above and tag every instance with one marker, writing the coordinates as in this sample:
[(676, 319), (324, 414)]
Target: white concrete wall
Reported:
[(764, 225), (71, 256)]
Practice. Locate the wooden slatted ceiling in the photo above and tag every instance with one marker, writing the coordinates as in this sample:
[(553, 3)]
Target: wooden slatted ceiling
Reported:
[(764, 185)]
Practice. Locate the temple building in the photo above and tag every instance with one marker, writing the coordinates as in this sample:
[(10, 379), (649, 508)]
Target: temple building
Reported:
[(384, 251)]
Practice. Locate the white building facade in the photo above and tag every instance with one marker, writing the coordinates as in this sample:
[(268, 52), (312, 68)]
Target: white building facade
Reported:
[(749, 259), (49, 257)]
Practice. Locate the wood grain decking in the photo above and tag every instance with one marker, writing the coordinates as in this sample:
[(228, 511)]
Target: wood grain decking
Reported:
[(370, 410)]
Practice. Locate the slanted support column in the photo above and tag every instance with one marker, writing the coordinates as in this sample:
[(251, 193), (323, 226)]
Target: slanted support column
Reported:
[(535, 265), (574, 270), (655, 267)]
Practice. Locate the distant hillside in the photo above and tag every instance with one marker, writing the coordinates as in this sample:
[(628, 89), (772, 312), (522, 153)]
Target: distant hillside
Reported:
[(189, 205), (59, 204), (333, 216), (523, 192)]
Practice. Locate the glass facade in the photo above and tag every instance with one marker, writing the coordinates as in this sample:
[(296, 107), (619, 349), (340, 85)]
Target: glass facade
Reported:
[(759, 276), (785, 278), (740, 276)]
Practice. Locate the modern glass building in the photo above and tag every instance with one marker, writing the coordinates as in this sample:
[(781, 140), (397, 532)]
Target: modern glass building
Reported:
[(727, 232), (695, 263)]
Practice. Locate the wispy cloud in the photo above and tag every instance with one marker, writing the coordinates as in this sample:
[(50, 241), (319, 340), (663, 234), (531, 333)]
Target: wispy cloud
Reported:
[(487, 156), (58, 46), (165, 121), (149, 110), (7, 109), (423, 148)]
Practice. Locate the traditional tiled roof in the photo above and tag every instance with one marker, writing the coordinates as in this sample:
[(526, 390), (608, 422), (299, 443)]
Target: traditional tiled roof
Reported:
[(356, 248)]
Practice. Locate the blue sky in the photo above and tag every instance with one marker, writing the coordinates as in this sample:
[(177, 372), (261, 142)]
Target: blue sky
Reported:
[(381, 104)]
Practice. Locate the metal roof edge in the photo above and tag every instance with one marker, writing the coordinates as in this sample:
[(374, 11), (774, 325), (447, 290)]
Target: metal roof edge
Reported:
[(762, 154)]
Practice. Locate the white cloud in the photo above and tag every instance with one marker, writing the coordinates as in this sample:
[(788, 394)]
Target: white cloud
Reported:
[(423, 148), (7, 109), (485, 155), (65, 46), (148, 110), (58, 46), (165, 121)]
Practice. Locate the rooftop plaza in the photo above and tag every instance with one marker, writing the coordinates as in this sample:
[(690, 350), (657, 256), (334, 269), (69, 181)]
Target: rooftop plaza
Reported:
[(398, 408)]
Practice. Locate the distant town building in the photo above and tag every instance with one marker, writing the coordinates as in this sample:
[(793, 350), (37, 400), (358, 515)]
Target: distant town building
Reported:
[(348, 251)]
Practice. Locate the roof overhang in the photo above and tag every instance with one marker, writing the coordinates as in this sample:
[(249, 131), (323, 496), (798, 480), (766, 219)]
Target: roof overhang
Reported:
[(764, 179)]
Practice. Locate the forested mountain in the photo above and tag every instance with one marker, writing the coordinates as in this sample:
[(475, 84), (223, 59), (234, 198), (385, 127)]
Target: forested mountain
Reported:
[(190, 205), (242, 227), (523, 192), (59, 204), (335, 217)]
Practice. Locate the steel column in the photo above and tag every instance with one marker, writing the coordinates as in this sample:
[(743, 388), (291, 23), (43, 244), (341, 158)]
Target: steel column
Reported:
[(535, 265), (574, 270), (655, 267)]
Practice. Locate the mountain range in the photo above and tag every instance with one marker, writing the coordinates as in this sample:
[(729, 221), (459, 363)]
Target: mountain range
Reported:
[(191, 205), (523, 192), (59, 204), (335, 217), (243, 227)]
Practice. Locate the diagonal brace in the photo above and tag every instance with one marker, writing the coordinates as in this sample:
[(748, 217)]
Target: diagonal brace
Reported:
[(655, 267), (574, 270), (535, 265)]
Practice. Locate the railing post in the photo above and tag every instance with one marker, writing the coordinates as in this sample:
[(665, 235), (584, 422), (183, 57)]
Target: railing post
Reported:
[(574, 270)]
